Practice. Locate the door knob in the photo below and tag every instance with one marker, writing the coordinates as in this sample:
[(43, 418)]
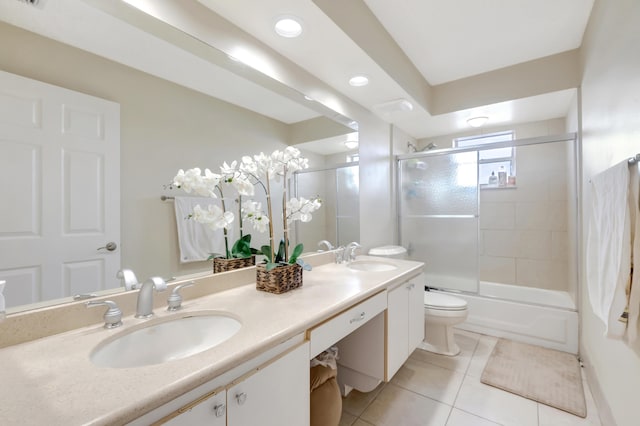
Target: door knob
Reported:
[(111, 246)]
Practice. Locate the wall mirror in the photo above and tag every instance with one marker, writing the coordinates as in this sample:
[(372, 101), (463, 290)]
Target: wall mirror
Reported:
[(163, 126)]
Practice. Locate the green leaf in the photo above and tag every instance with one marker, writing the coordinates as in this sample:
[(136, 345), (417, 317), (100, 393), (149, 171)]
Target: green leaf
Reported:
[(280, 255), (297, 251), (266, 250), (305, 265), (271, 266)]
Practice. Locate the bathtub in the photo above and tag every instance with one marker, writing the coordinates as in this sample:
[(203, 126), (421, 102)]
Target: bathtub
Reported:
[(541, 317)]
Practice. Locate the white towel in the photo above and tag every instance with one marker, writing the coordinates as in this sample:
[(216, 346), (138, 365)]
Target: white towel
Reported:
[(608, 247), (634, 297), (196, 241)]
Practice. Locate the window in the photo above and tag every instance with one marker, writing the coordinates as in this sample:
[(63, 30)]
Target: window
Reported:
[(353, 158), (491, 160)]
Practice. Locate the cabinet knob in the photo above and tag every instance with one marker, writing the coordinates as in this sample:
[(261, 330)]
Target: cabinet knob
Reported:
[(358, 318), (241, 398), (219, 410)]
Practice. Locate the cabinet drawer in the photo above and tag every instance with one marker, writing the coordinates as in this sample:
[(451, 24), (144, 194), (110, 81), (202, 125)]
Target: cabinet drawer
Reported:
[(330, 332)]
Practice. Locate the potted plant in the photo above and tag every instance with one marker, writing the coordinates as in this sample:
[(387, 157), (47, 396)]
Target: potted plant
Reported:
[(282, 269), (210, 184)]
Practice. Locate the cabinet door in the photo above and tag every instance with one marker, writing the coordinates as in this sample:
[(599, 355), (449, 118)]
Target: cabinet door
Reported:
[(210, 410), (397, 329), (276, 394), (416, 313)]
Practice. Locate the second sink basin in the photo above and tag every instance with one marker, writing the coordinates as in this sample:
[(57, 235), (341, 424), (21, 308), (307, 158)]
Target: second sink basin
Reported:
[(177, 338), (371, 265)]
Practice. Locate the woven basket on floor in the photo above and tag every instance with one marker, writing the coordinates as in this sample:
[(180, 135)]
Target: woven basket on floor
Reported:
[(280, 279), (224, 265)]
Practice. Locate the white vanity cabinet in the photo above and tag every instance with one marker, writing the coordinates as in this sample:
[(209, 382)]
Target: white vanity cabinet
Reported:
[(274, 396), (405, 323), (274, 393)]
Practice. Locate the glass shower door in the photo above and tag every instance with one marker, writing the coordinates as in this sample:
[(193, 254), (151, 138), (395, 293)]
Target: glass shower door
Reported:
[(438, 211)]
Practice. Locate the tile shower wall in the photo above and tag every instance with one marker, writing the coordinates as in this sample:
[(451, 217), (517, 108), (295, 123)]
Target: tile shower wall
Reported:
[(524, 237)]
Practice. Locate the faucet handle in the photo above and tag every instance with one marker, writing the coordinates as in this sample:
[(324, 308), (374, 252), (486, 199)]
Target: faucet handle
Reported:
[(113, 316), (351, 248), (340, 254), (174, 301)]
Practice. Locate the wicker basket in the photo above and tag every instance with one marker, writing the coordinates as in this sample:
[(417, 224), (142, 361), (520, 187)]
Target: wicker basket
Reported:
[(224, 265), (278, 280)]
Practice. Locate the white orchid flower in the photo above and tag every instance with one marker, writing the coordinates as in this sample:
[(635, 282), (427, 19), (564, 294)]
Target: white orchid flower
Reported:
[(213, 216), (252, 212), (193, 181), (301, 209)]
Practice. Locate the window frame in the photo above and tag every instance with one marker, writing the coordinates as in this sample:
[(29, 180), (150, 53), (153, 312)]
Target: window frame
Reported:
[(478, 140)]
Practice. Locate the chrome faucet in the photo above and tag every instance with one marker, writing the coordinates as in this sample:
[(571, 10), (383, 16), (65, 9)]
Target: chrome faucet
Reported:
[(145, 296), (327, 244), (350, 251), (340, 252)]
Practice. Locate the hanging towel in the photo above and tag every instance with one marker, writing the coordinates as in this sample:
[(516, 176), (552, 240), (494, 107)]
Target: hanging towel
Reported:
[(634, 292), (196, 241), (608, 247)]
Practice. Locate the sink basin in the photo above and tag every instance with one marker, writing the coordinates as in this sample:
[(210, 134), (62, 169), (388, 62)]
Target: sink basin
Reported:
[(371, 265), (169, 340)]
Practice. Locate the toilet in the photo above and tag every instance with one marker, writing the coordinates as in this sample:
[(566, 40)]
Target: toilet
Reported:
[(441, 311)]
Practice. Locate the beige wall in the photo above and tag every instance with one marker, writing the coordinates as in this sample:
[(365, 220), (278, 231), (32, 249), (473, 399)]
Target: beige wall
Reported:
[(610, 134), (164, 127)]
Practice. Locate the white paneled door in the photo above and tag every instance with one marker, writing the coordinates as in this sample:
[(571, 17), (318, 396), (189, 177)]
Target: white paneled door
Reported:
[(59, 191)]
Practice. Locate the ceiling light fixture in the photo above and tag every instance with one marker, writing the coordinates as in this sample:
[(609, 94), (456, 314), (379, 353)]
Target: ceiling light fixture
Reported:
[(288, 26), (352, 140), (477, 121), (359, 80)]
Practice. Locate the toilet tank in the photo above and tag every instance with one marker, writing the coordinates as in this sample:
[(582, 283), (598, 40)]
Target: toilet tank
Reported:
[(394, 252)]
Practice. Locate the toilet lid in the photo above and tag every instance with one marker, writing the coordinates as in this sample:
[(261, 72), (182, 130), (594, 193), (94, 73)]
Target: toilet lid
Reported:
[(443, 301)]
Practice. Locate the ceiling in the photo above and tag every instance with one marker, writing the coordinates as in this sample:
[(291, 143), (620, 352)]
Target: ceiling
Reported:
[(407, 48)]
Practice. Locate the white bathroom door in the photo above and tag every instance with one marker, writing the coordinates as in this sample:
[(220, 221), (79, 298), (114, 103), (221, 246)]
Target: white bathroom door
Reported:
[(60, 191)]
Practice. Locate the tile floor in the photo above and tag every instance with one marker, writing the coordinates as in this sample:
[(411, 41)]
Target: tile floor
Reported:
[(436, 390)]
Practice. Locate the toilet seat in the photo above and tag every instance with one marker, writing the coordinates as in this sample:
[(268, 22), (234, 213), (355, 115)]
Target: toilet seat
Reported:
[(443, 302)]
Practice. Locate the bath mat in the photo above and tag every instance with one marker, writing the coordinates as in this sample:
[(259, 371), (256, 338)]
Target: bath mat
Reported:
[(547, 376)]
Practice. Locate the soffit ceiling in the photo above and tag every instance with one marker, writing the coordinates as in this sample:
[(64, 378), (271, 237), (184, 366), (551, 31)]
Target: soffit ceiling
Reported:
[(443, 41)]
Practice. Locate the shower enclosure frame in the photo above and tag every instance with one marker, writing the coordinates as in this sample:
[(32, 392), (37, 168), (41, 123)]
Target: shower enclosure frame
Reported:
[(571, 137)]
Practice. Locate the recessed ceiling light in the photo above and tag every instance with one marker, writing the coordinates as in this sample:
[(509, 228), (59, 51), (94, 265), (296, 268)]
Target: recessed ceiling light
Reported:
[(359, 80), (477, 121), (288, 26)]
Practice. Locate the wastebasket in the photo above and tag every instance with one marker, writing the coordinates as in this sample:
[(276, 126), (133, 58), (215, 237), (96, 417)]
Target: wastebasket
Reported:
[(326, 401)]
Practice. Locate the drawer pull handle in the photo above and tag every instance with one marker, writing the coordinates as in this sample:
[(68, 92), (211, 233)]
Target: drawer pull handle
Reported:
[(358, 318), (241, 398), (219, 410)]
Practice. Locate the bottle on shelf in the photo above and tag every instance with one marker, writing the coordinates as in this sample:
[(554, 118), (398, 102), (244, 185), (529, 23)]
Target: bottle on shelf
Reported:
[(502, 177), (493, 179)]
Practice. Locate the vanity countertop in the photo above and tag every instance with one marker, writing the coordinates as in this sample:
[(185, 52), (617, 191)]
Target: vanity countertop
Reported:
[(52, 381)]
